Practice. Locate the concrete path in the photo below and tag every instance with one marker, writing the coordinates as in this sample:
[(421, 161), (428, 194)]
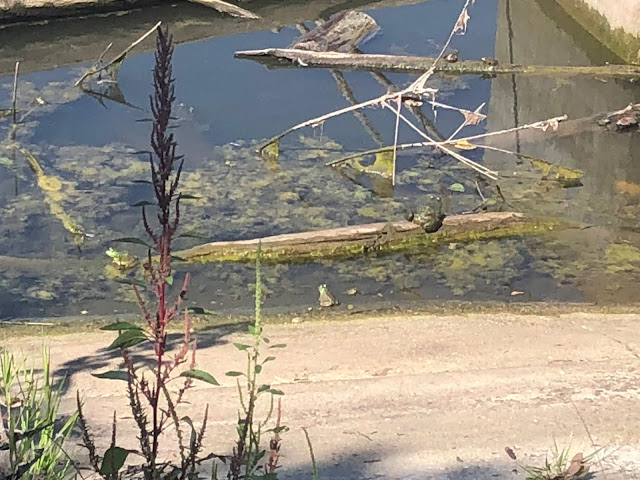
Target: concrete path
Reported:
[(413, 397)]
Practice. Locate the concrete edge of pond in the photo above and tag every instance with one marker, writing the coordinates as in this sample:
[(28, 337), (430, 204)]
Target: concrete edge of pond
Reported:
[(25, 10), (80, 324)]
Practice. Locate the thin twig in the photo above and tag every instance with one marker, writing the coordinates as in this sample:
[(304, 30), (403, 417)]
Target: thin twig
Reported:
[(395, 140), (593, 444), (29, 324), (480, 193), (15, 92), (420, 83), (462, 159), (118, 58)]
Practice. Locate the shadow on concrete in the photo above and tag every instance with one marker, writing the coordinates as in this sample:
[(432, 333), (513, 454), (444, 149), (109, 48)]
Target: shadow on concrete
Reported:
[(97, 361)]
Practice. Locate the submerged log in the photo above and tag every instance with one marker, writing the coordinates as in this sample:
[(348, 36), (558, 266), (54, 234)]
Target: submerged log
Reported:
[(287, 57), (354, 240)]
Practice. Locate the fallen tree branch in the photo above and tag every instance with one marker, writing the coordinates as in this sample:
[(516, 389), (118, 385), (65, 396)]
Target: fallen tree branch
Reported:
[(354, 240), (285, 57), (226, 7)]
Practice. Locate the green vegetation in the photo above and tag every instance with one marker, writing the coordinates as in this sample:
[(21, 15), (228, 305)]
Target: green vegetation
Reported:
[(34, 432)]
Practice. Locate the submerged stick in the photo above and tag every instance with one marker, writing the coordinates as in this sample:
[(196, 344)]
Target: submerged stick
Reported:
[(226, 7), (15, 93), (411, 63), (118, 58)]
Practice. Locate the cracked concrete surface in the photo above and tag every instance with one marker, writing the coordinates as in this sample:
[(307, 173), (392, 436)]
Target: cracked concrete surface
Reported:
[(412, 397)]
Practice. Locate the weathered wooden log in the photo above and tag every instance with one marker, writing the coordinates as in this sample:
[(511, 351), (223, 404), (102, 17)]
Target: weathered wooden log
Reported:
[(228, 8), (343, 32), (286, 57), (354, 240), (14, 10)]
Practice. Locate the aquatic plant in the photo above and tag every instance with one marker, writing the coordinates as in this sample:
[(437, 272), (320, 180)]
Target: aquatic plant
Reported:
[(34, 432)]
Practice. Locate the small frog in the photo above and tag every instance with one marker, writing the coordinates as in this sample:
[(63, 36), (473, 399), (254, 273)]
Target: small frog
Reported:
[(326, 299), (452, 57), (121, 260), (428, 215)]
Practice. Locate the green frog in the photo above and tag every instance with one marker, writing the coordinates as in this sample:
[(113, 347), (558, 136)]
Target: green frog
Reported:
[(325, 298), (121, 260), (428, 215)]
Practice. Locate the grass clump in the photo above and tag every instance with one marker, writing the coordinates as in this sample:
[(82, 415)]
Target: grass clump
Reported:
[(33, 431)]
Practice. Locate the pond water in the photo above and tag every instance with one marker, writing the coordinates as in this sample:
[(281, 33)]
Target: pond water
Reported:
[(86, 147)]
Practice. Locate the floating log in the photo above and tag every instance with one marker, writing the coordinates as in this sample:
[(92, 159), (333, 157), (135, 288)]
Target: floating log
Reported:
[(287, 57), (354, 240)]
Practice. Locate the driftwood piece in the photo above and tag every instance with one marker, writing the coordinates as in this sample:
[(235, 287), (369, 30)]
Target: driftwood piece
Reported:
[(354, 240), (286, 57), (226, 7), (343, 32)]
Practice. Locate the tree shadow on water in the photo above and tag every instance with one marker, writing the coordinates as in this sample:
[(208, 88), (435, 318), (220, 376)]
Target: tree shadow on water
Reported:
[(97, 361)]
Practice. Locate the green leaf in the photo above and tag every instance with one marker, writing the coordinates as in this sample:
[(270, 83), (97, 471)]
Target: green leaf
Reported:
[(234, 374), (241, 346), (270, 150), (117, 326), (200, 375), (263, 388), (268, 359), (265, 340), (113, 460), (169, 279), (278, 345), (200, 311), (253, 330), (127, 339), (135, 240), (273, 391), (131, 281), (258, 368), (456, 187), (148, 182), (281, 428), (186, 196), (113, 375), (191, 234), (143, 203)]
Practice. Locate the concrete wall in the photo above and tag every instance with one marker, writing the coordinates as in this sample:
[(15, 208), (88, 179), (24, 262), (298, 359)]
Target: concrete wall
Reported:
[(529, 33), (623, 14), (616, 23)]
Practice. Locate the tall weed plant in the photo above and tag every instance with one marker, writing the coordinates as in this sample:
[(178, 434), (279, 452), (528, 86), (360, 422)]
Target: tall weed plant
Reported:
[(155, 409)]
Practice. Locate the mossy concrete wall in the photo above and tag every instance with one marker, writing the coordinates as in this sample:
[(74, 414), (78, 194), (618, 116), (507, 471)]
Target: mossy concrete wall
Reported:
[(616, 23), (541, 32)]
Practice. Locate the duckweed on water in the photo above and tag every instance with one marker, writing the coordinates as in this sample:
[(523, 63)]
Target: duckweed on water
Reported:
[(464, 267), (622, 257)]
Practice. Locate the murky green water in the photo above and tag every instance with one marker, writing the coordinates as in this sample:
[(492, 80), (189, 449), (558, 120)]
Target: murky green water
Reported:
[(225, 106)]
